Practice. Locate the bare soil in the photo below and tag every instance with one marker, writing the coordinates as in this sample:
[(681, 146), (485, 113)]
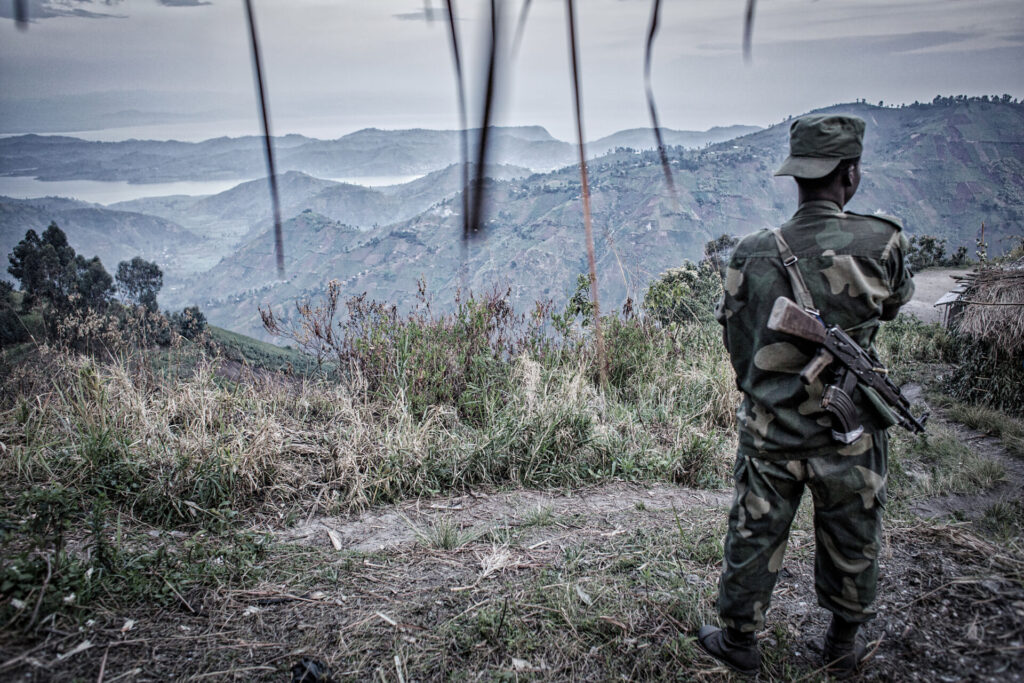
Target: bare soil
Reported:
[(596, 584), (929, 286)]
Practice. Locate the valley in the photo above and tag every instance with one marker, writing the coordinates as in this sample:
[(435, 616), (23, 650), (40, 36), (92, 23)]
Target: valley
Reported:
[(945, 168)]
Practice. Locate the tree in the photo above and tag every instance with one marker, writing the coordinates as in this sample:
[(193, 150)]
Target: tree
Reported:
[(95, 286), (46, 267), (718, 251), (190, 323), (139, 281)]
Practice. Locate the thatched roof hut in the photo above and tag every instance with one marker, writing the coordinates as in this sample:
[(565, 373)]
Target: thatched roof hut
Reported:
[(991, 308)]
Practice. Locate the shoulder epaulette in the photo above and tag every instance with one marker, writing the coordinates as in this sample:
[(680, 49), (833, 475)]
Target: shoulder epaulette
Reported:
[(891, 220)]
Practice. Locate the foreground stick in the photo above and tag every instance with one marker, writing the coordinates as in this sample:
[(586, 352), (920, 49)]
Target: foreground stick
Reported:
[(476, 208), (856, 366), (602, 364), (268, 142), (748, 29), (652, 109), (464, 133), (21, 14)]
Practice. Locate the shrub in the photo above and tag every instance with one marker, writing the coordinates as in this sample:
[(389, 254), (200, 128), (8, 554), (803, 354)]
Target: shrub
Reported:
[(929, 251), (190, 323), (12, 329), (684, 294), (458, 359)]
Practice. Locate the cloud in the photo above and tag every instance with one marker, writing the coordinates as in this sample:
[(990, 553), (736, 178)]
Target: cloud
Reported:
[(184, 3), (46, 9)]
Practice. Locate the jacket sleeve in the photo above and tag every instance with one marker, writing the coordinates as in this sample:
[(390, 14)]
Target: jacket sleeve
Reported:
[(901, 279)]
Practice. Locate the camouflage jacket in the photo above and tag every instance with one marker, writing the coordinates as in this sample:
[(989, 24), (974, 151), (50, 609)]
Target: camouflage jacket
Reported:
[(854, 267)]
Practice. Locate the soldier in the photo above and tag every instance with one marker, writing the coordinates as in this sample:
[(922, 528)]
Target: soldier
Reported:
[(853, 267)]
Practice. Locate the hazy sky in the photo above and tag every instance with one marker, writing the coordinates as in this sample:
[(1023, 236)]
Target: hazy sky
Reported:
[(334, 66)]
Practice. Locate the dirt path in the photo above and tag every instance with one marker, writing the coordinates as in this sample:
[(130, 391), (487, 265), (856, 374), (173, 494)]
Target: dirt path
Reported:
[(605, 583), (929, 286), (390, 528)]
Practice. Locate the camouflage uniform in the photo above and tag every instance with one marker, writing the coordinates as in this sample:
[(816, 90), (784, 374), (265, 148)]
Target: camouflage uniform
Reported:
[(854, 267)]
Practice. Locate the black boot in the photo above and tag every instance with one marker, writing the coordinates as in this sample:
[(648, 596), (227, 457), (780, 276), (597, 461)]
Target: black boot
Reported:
[(843, 649), (736, 650)]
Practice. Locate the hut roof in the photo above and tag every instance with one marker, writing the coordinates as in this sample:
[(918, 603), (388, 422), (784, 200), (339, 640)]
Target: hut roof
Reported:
[(993, 307)]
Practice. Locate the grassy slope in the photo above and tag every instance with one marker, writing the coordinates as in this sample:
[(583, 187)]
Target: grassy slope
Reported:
[(259, 354), (200, 509)]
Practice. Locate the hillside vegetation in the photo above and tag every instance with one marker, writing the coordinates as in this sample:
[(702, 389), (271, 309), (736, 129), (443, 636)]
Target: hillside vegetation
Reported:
[(422, 502), (944, 168), (368, 152)]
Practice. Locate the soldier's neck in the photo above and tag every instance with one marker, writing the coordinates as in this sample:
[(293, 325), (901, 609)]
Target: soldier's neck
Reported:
[(836, 195)]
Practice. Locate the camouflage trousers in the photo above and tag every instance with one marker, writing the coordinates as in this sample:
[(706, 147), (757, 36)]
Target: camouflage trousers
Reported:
[(848, 493)]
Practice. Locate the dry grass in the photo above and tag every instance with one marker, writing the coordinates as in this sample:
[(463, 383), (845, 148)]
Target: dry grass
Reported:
[(178, 465), (181, 449), (615, 593), (993, 309)]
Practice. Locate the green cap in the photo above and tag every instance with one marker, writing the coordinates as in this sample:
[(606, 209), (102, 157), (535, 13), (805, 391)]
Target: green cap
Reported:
[(817, 143)]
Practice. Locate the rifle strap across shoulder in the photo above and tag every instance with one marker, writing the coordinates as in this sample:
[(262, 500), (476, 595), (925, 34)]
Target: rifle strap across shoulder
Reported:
[(796, 278)]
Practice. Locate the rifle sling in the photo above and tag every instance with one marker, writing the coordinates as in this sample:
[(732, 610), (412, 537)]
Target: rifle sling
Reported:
[(804, 299), (796, 278)]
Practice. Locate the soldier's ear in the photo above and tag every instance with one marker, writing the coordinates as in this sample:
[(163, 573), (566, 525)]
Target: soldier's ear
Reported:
[(849, 175)]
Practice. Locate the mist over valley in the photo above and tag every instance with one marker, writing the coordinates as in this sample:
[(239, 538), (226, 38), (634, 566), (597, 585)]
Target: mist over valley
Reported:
[(944, 168)]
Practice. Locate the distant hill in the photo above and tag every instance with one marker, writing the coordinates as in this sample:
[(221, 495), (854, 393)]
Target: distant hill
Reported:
[(186, 235), (245, 208), (943, 168), (95, 230), (368, 152), (643, 138)]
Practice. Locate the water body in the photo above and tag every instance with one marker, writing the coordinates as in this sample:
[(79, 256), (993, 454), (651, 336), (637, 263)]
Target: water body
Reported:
[(377, 180), (112, 191), (106, 191)]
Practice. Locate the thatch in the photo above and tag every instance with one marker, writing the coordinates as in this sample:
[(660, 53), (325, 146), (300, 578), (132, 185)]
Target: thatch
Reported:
[(991, 308)]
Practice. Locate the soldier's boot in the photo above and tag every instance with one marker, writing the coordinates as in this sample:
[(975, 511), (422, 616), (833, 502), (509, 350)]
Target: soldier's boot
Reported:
[(736, 650), (843, 649)]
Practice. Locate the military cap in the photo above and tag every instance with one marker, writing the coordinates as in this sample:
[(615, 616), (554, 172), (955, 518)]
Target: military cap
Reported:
[(817, 143)]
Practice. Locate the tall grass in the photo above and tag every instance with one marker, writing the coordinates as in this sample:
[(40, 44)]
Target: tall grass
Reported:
[(432, 405), (404, 407)]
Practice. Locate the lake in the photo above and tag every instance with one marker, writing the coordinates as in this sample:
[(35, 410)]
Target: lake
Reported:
[(110, 192)]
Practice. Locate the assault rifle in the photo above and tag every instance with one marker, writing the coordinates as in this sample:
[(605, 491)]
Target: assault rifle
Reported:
[(855, 365)]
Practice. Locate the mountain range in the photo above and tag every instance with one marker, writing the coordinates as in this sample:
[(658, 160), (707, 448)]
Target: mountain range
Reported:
[(944, 168), (368, 152)]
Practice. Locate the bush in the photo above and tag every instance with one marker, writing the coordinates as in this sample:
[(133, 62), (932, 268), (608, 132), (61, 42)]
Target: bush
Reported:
[(12, 329), (684, 294), (190, 323), (929, 251), (458, 359)]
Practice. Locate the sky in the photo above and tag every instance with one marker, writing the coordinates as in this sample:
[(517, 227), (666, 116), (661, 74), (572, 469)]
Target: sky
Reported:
[(335, 66)]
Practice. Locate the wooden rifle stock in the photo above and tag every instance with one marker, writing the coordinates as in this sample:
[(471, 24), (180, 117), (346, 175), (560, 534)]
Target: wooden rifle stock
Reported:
[(787, 317)]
